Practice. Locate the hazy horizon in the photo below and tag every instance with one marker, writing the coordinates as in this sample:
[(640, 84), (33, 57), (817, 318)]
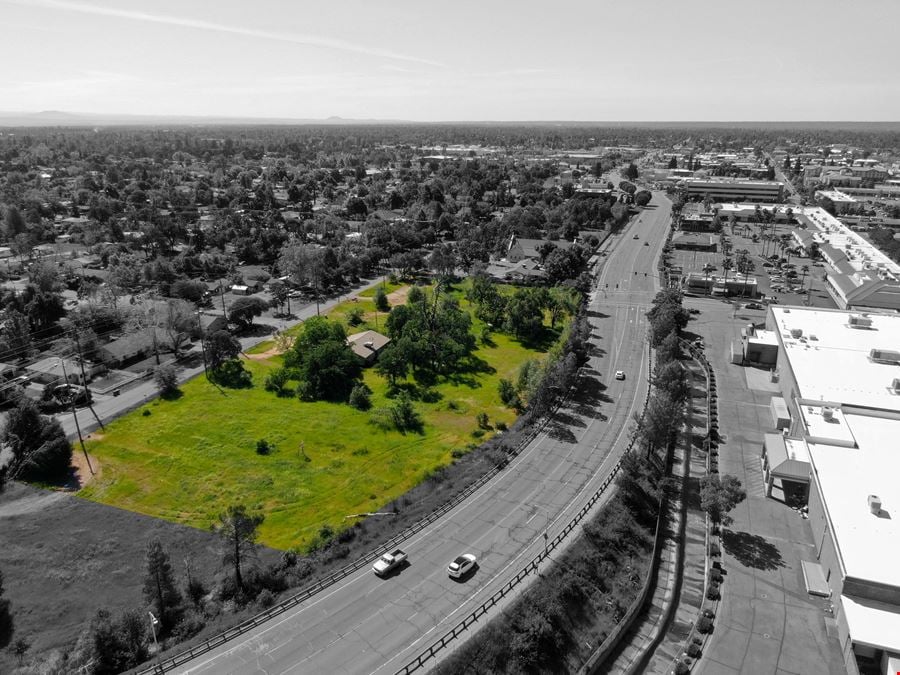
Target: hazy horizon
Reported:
[(452, 62)]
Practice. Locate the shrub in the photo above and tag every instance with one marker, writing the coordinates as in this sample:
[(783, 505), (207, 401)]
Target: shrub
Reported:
[(682, 668), (712, 593), (263, 447), (360, 396), (704, 625), (265, 599), (456, 453), (166, 379), (146, 412), (276, 380), (355, 316), (483, 420), (507, 392), (478, 433), (381, 300), (715, 575), (501, 426), (694, 650), (188, 627)]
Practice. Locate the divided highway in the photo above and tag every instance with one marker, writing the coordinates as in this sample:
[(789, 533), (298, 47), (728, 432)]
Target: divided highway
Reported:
[(366, 624)]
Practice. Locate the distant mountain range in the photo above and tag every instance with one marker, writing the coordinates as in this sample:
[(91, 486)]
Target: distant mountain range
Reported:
[(59, 118)]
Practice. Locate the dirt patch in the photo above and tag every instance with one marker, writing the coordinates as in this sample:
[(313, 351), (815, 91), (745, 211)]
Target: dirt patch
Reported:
[(398, 297), (84, 474), (266, 355)]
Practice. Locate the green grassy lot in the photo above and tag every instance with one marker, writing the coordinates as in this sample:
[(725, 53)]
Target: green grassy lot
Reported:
[(189, 458)]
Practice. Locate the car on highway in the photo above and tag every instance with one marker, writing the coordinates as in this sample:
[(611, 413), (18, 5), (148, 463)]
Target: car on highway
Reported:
[(388, 562), (462, 565), (620, 374), (646, 243), (635, 237)]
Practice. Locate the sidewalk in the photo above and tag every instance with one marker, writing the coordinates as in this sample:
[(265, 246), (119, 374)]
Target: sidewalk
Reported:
[(141, 391)]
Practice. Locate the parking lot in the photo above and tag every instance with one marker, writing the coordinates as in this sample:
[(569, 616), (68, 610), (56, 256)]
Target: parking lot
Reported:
[(774, 286)]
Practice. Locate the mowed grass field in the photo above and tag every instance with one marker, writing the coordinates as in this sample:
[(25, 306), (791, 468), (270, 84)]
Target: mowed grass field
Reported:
[(190, 458)]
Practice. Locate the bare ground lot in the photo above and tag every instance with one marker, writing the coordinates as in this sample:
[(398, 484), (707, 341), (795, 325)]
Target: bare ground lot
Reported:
[(63, 558)]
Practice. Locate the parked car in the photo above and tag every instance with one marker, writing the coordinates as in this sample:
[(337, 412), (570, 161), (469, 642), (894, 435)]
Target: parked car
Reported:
[(753, 305), (635, 237), (620, 374), (461, 565)]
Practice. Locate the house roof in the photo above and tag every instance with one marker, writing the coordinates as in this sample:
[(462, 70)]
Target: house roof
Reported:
[(131, 344), (366, 343)]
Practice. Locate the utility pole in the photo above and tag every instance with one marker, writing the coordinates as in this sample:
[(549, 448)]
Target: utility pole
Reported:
[(75, 417), (87, 392), (202, 345)]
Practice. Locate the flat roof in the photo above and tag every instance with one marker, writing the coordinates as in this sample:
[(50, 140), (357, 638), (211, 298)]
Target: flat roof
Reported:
[(764, 337), (830, 359), (846, 477), (876, 624), (826, 427)]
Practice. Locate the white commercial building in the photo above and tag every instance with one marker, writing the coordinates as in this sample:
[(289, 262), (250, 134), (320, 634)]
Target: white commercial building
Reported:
[(839, 373)]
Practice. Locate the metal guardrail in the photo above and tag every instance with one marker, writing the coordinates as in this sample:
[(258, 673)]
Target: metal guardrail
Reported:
[(311, 590), (423, 657)]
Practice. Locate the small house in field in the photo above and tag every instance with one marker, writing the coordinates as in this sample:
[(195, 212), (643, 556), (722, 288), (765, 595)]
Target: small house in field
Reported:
[(367, 345)]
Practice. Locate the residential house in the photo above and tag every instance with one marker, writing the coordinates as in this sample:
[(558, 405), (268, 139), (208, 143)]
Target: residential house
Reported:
[(367, 345)]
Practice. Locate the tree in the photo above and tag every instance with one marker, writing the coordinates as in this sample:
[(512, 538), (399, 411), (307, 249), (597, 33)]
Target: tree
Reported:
[(221, 346), (629, 188), (719, 495), (642, 197), (117, 646), (40, 450), (14, 224), (245, 309), (443, 260), (178, 321), (323, 361), (805, 270), (564, 264), (166, 379), (381, 300), (188, 289), (6, 620), (238, 531), (160, 590), (525, 314), (631, 172), (392, 364), (673, 163)]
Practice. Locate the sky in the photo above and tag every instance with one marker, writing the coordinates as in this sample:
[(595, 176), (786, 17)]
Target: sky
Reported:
[(459, 60)]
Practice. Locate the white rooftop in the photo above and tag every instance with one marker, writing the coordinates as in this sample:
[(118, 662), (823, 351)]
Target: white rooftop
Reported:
[(836, 196), (873, 623), (830, 359), (826, 426), (846, 477)]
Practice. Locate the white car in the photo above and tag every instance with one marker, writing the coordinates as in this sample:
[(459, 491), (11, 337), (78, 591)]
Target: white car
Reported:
[(461, 566), (620, 374)]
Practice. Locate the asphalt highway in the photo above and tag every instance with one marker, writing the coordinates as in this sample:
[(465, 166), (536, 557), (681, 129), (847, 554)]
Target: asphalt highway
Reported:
[(365, 624)]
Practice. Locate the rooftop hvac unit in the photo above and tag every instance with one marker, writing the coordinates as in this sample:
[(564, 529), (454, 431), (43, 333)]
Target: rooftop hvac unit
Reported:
[(369, 344), (874, 504), (859, 321), (796, 332), (895, 385), (886, 356), (828, 413)]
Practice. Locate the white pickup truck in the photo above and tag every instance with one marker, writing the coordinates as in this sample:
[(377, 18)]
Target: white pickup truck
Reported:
[(388, 561)]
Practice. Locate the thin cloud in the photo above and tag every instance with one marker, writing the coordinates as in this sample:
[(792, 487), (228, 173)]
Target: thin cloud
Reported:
[(300, 39)]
